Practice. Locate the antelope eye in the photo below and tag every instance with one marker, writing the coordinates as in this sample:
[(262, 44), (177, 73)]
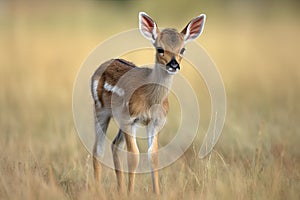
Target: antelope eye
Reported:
[(160, 50), (182, 51)]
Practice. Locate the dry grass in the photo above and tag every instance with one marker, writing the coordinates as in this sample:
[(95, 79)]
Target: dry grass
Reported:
[(41, 157)]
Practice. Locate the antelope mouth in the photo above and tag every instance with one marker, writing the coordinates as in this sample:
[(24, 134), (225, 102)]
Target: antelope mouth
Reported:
[(172, 70), (172, 67)]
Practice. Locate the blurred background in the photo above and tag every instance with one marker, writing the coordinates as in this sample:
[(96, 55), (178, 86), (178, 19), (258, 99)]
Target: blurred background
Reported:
[(255, 45)]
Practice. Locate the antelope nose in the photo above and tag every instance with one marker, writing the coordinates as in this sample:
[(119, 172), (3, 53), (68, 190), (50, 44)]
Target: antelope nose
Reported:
[(174, 64)]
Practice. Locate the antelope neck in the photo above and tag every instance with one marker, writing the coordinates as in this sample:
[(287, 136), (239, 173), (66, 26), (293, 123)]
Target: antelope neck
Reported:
[(161, 80)]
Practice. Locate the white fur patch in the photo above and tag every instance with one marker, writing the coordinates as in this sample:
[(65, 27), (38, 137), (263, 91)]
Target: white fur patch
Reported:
[(95, 93), (114, 89)]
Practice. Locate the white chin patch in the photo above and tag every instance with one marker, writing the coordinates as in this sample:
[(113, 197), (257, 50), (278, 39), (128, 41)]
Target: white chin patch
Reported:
[(172, 71)]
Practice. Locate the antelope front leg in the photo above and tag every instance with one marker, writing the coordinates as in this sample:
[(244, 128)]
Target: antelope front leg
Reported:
[(97, 169), (153, 156), (132, 158)]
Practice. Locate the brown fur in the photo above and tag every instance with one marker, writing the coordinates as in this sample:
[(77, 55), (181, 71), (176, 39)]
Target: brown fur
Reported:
[(142, 98)]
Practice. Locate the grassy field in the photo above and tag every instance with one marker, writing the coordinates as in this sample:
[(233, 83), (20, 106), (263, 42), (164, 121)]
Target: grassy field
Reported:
[(256, 47)]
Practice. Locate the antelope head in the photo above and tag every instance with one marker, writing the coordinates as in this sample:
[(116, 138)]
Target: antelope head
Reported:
[(169, 43)]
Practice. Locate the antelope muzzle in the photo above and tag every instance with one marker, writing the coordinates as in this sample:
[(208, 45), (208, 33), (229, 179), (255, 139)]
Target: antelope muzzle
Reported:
[(173, 66)]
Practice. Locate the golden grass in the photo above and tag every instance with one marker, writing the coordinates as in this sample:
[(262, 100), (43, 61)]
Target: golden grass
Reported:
[(42, 157)]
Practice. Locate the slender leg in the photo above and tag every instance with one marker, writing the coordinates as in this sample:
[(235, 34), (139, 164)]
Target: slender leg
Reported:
[(116, 146), (101, 123), (153, 156), (97, 169), (132, 159)]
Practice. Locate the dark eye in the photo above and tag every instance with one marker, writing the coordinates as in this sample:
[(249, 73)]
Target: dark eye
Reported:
[(160, 50), (182, 51)]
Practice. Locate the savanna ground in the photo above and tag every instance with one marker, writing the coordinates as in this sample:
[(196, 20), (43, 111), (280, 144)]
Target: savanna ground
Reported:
[(256, 47)]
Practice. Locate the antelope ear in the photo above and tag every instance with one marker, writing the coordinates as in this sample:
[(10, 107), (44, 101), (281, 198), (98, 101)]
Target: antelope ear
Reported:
[(148, 27), (194, 28)]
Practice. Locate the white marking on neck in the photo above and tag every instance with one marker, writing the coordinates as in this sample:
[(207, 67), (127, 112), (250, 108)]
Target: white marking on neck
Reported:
[(114, 89), (95, 93)]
